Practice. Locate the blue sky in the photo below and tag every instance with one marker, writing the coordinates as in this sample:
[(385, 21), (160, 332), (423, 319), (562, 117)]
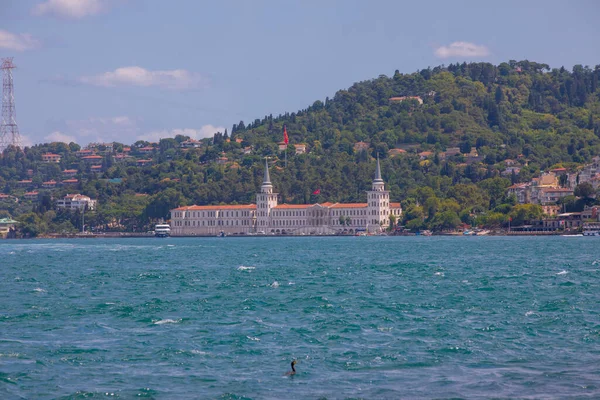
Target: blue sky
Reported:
[(124, 70)]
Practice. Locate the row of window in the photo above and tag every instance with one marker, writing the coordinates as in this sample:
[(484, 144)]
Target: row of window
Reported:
[(244, 222)]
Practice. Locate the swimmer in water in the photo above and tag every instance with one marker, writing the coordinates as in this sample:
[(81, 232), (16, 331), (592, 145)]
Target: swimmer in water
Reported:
[(293, 371)]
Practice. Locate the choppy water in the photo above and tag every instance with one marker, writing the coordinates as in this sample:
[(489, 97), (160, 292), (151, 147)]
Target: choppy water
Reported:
[(367, 317)]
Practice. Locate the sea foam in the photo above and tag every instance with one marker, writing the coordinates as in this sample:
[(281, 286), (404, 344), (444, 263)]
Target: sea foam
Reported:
[(167, 321)]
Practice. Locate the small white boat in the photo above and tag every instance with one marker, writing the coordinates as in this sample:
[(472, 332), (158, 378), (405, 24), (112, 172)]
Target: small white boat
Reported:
[(162, 230)]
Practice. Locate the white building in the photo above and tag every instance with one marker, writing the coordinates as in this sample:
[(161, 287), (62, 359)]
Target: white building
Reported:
[(76, 202), (269, 217)]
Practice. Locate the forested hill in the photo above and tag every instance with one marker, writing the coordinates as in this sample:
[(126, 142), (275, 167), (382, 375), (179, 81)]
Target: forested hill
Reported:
[(449, 134), (506, 110)]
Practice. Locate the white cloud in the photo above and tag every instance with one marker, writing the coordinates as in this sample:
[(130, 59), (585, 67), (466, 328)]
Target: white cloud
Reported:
[(177, 79), (202, 133), (74, 9), (99, 129), (17, 42), (58, 136), (462, 49)]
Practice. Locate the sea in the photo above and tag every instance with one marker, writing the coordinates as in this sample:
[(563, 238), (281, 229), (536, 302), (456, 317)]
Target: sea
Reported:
[(365, 317)]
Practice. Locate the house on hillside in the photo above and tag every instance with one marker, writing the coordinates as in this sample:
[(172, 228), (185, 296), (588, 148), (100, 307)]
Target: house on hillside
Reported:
[(70, 182), (92, 160), (32, 196), (404, 98), (69, 173), (361, 146), (146, 150), (396, 152), (76, 202), (425, 155), (51, 158), (51, 184), (190, 144), (300, 148)]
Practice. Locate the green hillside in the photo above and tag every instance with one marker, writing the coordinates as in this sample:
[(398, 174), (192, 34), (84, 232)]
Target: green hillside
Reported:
[(522, 112)]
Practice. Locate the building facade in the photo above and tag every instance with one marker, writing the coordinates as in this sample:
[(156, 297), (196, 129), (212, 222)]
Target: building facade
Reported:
[(76, 202), (269, 217)]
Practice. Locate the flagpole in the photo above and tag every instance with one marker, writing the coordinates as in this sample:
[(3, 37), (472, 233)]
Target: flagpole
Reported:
[(286, 156)]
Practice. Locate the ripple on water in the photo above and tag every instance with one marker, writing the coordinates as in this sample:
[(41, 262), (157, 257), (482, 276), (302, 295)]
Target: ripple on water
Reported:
[(391, 317)]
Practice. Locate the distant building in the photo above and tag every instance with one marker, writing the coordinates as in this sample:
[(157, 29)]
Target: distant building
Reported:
[(222, 160), (451, 151), (96, 169), (143, 163), (7, 225), (76, 202), (122, 157), (552, 195), (51, 158), (69, 173), (360, 146), (300, 148), (70, 182), (33, 196), (51, 184), (92, 160), (521, 192), (25, 183), (146, 150), (404, 98), (84, 153), (282, 146), (510, 170), (190, 144), (269, 217), (550, 210), (396, 152), (8, 197), (425, 155)]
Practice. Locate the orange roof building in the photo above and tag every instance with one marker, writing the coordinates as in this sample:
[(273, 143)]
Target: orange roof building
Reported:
[(268, 217)]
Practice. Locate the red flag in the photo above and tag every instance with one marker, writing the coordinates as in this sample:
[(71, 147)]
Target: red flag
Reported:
[(286, 140), (318, 191)]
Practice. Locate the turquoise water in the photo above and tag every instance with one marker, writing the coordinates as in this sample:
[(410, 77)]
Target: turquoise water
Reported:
[(366, 317)]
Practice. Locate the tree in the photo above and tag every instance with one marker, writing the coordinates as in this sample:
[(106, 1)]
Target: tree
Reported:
[(585, 190), (445, 220), (392, 218), (524, 213)]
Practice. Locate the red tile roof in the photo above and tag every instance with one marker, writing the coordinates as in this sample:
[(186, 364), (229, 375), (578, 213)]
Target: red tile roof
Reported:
[(290, 206), (350, 205)]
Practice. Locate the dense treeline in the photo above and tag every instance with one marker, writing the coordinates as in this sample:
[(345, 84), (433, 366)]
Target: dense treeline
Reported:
[(523, 111)]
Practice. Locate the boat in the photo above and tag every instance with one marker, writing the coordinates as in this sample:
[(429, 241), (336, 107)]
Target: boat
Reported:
[(162, 230), (221, 234), (591, 229)]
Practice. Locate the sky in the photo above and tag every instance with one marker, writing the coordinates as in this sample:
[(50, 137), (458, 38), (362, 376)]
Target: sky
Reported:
[(128, 70)]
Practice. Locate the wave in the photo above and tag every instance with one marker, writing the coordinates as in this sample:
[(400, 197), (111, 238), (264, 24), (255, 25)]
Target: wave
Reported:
[(245, 268), (563, 272), (167, 321)]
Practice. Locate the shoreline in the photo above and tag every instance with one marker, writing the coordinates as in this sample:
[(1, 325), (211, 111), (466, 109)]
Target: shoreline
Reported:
[(122, 235)]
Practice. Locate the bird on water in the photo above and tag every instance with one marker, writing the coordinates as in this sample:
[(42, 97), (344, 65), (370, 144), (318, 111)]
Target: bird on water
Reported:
[(293, 371)]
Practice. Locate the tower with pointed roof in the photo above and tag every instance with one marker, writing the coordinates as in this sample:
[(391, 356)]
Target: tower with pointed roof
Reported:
[(266, 200), (378, 209)]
